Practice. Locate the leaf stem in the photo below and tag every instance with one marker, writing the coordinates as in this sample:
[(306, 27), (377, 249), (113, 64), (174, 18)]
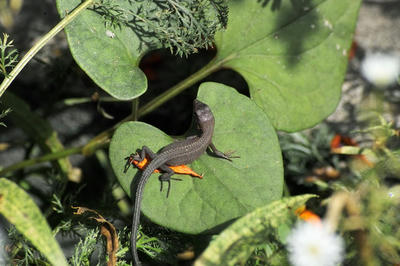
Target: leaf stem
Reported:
[(35, 49)]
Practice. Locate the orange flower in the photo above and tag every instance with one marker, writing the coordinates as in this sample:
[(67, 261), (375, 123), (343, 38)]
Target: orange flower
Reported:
[(339, 141), (307, 215), (178, 169)]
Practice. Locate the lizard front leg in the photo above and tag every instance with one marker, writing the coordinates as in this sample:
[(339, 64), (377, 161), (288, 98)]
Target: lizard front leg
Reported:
[(145, 151), (138, 156)]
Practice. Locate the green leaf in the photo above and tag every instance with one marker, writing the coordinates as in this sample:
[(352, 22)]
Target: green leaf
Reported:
[(108, 55), (228, 189), (20, 210), (236, 243), (293, 55)]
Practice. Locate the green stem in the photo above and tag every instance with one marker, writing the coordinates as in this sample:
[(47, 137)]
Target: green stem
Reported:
[(286, 192), (135, 109), (33, 51), (181, 86), (44, 158)]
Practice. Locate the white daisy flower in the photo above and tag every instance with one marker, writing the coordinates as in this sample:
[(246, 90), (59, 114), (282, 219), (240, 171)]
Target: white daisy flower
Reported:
[(311, 244), (381, 69)]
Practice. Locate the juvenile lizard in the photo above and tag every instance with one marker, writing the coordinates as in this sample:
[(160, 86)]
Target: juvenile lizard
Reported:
[(176, 153)]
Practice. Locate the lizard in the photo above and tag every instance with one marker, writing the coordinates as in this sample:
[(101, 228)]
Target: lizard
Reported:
[(176, 153)]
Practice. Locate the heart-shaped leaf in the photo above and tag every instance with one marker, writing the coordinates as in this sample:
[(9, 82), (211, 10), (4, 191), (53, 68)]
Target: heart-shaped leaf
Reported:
[(20, 210), (293, 55), (109, 55), (228, 189)]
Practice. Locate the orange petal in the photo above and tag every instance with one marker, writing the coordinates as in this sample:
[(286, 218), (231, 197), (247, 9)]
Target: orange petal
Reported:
[(335, 142), (353, 49), (178, 169), (307, 215), (142, 165), (339, 140), (185, 170)]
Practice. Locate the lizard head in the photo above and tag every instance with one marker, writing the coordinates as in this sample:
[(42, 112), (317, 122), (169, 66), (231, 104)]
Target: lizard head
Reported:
[(202, 112)]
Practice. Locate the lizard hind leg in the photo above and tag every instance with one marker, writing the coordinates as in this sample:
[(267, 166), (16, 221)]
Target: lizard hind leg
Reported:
[(226, 156), (166, 177)]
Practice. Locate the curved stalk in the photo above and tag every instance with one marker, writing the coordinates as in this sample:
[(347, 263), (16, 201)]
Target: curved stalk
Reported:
[(35, 49)]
